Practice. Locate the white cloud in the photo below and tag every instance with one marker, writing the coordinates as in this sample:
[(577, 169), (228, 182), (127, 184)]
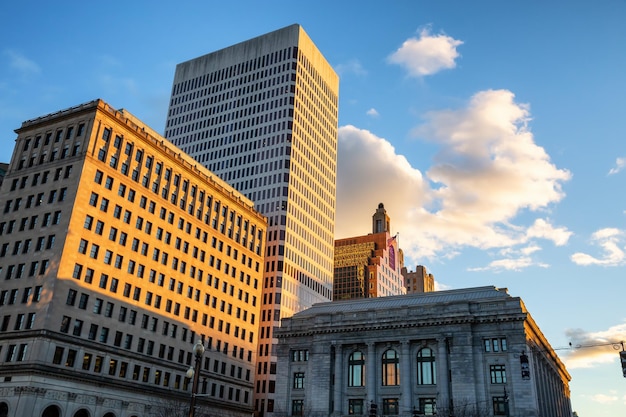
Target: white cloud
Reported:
[(604, 399), (610, 240), (591, 348), (427, 54), (620, 163), (542, 229), (372, 112), (22, 64), (369, 171), (488, 170), (351, 67)]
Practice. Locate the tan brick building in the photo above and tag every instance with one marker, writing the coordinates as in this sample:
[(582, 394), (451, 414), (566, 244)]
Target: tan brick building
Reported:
[(419, 280), (117, 253)]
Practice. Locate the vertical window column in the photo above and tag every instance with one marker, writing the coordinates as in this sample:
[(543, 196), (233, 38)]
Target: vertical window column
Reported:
[(405, 375), (371, 372), (338, 389), (442, 372)]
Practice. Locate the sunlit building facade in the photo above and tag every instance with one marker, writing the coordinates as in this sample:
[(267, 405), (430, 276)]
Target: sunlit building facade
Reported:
[(262, 115), (419, 280), (117, 253), (370, 265), (468, 352)]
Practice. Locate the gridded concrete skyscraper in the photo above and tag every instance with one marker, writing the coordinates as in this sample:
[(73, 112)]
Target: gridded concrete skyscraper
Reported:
[(262, 115)]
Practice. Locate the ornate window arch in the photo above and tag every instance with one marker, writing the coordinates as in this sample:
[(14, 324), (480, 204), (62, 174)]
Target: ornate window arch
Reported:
[(356, 369), (391, 367), (426, 367), (51, 411)]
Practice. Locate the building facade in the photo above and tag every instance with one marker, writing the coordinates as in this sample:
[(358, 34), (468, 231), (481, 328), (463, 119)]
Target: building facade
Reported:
[(370, 265), (262, 115), (465, 353), (118, 253), (419, 280)]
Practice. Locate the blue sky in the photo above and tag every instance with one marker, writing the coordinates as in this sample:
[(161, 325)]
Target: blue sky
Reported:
[(492, 131)]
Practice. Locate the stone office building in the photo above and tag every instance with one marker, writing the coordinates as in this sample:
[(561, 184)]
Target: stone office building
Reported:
[(468, 352), (118, 252)]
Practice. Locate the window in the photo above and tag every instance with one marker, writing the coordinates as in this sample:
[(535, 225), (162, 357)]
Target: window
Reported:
[(426, 369), (299, 355), (495, 345), (428, 406), (355, 407), (97, 307), (104, 335), (498, 374), (499, 406), (71, 297), (390, 406), (65, 324), (298, 380), (356, 369), (58, 355), (391, 368), (78, 327), (297, 407)]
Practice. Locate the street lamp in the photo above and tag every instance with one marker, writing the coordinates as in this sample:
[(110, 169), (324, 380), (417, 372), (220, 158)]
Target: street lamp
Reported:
[(194, 372)]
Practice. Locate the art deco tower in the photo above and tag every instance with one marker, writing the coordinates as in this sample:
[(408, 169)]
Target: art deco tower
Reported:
[(262, 115)]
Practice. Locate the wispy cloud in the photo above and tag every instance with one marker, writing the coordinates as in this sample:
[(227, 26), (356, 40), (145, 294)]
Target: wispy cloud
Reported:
[(591, 348), (372, 112), (609, 239), (21, 63), (487, 171), (620, 163), (427, 54), (351, 67)]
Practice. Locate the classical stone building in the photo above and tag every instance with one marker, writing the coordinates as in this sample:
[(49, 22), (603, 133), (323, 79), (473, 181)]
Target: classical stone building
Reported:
[(468, 352), (370, 265), (117, 253), (262, 115)]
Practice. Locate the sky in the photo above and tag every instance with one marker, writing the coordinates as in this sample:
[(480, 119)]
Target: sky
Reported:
[(492, 131)]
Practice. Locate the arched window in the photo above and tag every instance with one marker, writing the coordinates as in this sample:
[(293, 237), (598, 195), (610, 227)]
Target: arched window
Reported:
[(426, 367), (4, 410), (356, 369), (51, 411), (391, 368), (109, 414), (82, 413)]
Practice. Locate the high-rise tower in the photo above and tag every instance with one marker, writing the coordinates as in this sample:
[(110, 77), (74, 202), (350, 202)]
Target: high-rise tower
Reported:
[(262, 115)]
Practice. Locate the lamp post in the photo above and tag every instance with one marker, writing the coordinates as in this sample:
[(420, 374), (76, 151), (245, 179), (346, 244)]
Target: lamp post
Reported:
[(194, 372)]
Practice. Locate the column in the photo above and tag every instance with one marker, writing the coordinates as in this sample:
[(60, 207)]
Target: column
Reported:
[(405, 378), (442, 374), (337, 397), (371, 371)]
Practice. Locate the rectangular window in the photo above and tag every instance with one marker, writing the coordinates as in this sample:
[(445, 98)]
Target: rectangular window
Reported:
[(390, 406), (498, 374), (298, 380), (499, 406), (428, 406), (355, 407), (297, 407)]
